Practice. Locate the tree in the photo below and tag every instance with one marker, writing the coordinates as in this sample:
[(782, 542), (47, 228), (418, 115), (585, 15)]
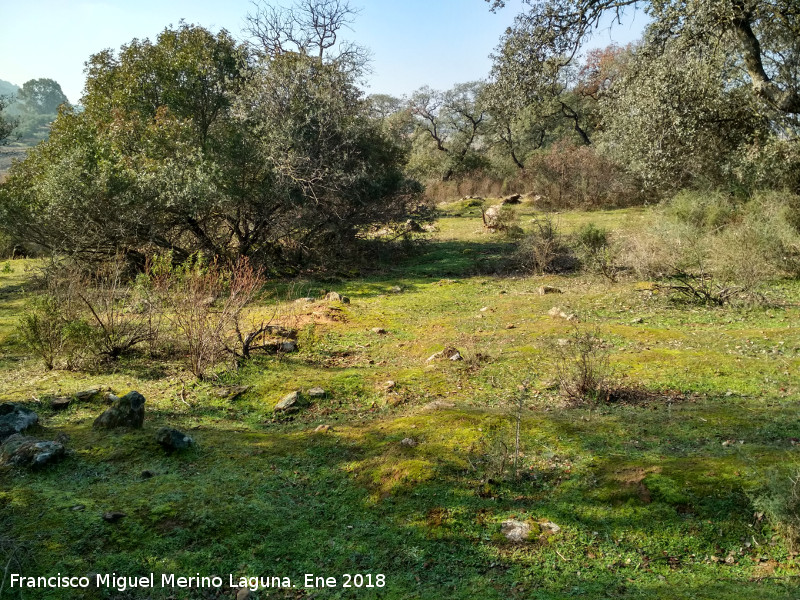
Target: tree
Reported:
[(763, 34), (309, 27), (453, 121), (6, 125), (41, 96)]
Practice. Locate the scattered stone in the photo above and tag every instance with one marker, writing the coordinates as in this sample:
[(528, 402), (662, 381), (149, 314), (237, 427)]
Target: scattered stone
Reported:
[(87, 394), (60, 403), (171, 439), (110, 398), (512, 199), (562, 342), (449, 353), (288, 402), (15, 418), (491, 217), (113, 516), (379, 330), (549, 528), (317, 392), (557, 313), (323, 429), (515, 531), (24, 451), (389, 385), (511, 326), (146, 474), (307, 300), (409, 442), (439, 404), (127, 411), (637, 321), (547, 289), (484, 309), (287, 346), (337, 297), (232, 392), (78, 507), (243, 594), (396, 289)]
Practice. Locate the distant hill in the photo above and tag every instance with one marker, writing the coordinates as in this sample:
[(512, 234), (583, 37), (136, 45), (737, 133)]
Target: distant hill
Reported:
[(7, 88)]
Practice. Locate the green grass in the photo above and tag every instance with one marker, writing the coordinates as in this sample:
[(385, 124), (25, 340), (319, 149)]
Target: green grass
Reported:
[(653, 498)]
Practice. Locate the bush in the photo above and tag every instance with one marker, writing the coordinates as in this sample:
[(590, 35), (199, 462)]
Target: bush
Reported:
[(582, 367), (779, 501), (543, 249), (595, 250)]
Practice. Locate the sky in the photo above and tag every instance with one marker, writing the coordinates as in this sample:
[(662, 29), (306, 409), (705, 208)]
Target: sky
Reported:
[(413, 42)]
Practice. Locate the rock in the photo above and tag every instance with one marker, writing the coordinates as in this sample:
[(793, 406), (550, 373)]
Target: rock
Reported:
[(113, 516), (232, 392), (637, 321), (515, 531), (146, 474), (379, 330), (449, 353), (409, 442), (15, 418), (389, 385), (60, 403), (549, 528), (413, 226), (307, 300), (110, 398), (511, 326), (171, 439), (287, 346), (24, 451), (491, 217), (78, 507), (87, 394), (317, 392), (512, 199), (127, 411), (557, 313), (395, 289), (546, 289), (323, 429), (439, 404), (243, 594), (337, 297), (288, 402)]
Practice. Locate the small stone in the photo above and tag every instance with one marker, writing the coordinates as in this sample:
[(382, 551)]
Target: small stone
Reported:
[(243, 594), (317, 392), (549, 528), (287, 346), (337, 297), (546, 289), (78, 507), (512, 199), (306, 300), (484, 309), (113, 516), (449, 352), (288, 402), (396, 289), (60, 403), (515, 531), (562, 342), (323, 429), (389, 385), (232, 392), (637, 321), (379, 330), (457, 356), (439, 404), (87, 394), (171, 439), (409, 442), (110, 398), (511, 326)]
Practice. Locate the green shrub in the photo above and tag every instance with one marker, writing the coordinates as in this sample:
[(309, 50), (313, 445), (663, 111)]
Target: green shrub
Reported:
[(705, 211), (779, 501)]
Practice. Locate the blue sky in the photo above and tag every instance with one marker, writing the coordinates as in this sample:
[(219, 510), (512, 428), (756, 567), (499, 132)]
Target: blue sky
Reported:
[(413, 42)]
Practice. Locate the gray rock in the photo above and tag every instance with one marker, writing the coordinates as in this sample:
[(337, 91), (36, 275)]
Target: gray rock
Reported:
[(449, 353), (637, 321), (337, 297), (232, 392), (439, 404), (516, 531), (549, 528), (171, 439), (110, 398), (127, 411), (317, 392), (396, 289), (23, 451), (548, 289), (288, 402), (379, 330), (15, 418), (113, 516), (491, 217), (60, 403), (409, 442), (512, 199), (287, 346), (307, 300), (87, 394)]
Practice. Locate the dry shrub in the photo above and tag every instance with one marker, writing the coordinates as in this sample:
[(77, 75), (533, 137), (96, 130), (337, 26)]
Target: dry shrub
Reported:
[(571, 176), (779, 501), (582, 367), (544, 249)]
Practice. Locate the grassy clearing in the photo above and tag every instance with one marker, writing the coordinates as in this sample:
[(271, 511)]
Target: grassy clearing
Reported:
[(653, 498)]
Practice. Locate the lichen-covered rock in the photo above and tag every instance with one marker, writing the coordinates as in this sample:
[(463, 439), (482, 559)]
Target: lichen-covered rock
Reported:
[(23, 451), (337, 297), (87, 394), (516, 531), (15, 418), (288, 402), (127, 411), (171, 439)]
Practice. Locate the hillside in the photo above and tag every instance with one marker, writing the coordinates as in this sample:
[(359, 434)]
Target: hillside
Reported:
[(407, 466)]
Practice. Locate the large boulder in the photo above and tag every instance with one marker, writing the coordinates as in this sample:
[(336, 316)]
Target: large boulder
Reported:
[(127, 411), (23, 451), (15, 418)]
